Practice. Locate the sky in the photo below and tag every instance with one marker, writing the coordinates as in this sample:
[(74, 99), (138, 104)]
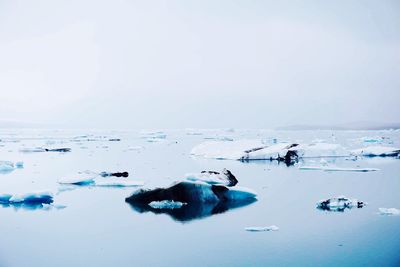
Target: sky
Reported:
[(199, 64)]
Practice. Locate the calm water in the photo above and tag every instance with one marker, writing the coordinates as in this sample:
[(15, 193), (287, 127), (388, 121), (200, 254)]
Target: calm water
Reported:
[(97, 228)]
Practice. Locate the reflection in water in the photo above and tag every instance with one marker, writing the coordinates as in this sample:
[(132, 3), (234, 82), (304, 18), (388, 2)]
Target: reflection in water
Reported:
[(195, 210), (26, 206)]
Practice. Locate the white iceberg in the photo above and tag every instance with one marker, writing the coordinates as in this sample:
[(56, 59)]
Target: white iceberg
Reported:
[(257, 150), (377, 151), (166, 204), (212, 177), (331, 169), (339, 203), (389, 211), (262, 229)]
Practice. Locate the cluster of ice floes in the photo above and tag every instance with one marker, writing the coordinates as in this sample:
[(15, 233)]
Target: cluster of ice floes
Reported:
[(247, 150), (153, 137), (339, 203), (262, 229), (29, 198), (9, 166), (377, 151), (99, 179)]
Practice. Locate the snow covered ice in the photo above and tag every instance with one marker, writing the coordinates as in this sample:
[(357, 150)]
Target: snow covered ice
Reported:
[(212, 177)]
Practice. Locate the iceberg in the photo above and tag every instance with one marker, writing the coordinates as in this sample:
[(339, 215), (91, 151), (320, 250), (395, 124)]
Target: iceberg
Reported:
[(339, 204), (166, 204), (389, 211), (262, 229), (189, 192), (377, 151), (28, 198), (331, 169), (224, 149), (213, 177)]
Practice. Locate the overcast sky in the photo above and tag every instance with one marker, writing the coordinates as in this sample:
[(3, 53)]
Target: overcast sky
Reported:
[(178, 64)]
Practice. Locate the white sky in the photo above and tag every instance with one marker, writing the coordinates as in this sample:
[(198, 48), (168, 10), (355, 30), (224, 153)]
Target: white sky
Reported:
[(177, 64)]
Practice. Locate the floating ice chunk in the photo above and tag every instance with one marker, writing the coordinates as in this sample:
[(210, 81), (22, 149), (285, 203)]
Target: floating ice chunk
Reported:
[(213, 177), (29, 198), (114, 139), (389, 211), (117, 183), (166, 204), (272, 152), (78, 179), (262, 229), (339, 203), (331, 169), (377, 151), (6, 166), (192, 192)]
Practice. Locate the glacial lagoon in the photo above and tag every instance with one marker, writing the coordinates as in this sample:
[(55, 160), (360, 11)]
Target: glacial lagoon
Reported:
[(94, 226)]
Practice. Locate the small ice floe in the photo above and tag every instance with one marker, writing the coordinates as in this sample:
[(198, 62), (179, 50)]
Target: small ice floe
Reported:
[(114, 139), (117, 183), (389, 211), (166, 204), (212, 177), (377, 151), (336, 169), (9, 166), (6, 166), (53, 206), (28, 198), (262, 229), (41, 149), (116, 174), (339, 203), (84, 178)]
